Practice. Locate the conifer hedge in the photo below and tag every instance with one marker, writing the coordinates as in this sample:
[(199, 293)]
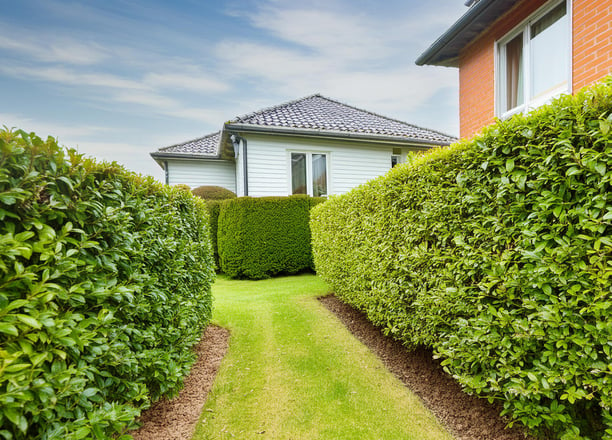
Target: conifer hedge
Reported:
[(104, 287), (259, 237), (496, 252)]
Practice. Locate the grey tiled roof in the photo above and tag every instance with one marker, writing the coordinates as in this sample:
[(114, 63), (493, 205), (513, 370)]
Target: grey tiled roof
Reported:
[(204, 146), (321, 114)]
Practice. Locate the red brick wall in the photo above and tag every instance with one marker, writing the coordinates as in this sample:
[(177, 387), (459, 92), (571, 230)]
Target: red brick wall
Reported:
[(592, 41), (592, 57), (476, 91)]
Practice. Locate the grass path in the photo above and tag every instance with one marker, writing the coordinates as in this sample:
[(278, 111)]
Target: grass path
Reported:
[(294, 372)]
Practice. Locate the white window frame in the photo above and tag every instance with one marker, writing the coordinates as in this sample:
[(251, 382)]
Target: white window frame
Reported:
[(309, 182), (500, 66)]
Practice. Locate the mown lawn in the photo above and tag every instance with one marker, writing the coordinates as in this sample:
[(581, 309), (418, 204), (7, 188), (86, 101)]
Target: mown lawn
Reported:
[(294, 372)]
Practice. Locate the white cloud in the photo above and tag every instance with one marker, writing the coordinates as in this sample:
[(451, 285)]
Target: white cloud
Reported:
[(71, 77), (50, 48), (393, 88), (362, 59), (164, 105), (199, 82), (246, 59), (122, 90), (351, 37), (86, 140), (146, 99), (156, 76), (48, 128)]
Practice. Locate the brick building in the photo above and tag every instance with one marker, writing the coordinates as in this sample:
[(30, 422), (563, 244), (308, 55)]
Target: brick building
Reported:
[(514, 55)]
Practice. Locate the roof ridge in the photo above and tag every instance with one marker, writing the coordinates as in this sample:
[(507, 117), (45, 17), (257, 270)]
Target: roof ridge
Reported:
[(218, 132), (273, 107), (335, 101), (385, 117)]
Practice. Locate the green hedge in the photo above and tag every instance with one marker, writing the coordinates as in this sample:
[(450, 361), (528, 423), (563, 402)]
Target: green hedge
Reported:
[(105, 285), (214, 206), (496, 252), (260, 237), (213, 195), (208, 192)]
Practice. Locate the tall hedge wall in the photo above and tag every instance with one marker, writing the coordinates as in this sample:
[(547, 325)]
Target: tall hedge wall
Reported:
[(264, 236), (105, 285), (214, 196), (497, 253)]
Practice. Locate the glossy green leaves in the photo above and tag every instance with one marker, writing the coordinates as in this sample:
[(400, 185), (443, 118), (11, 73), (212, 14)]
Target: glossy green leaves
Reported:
[(104, 286), (497, 252)]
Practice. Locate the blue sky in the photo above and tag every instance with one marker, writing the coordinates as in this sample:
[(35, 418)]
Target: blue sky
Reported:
[(118, 79)]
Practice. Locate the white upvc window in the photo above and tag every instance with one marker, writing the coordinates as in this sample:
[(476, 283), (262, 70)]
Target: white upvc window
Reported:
[(533, 61), (309, 171)]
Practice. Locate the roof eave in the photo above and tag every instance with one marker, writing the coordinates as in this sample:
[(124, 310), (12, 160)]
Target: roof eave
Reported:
[(339, 135), (190, 156), (445, 50)]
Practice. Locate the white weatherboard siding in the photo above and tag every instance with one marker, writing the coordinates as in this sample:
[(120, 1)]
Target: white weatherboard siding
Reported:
[(202, 172), (352, 167), (349, 164), (267, 166)]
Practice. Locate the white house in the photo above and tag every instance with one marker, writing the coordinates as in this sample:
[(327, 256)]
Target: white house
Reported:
[(314, 146)]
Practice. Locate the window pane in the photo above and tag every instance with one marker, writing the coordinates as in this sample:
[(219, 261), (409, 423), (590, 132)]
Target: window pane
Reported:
[(319, 175), (549, 52), (548, 20), (514, 72), (298, 173)]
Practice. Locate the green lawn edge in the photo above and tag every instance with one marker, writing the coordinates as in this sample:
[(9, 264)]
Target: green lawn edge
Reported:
[(293, 371)]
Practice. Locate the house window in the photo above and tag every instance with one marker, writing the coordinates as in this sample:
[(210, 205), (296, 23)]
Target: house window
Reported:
[(298, 173), (395, 159), (534, 61), (309, 174)]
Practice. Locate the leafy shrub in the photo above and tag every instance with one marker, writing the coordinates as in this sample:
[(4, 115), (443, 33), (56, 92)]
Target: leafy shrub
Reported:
[(105, 281), (214, 206), (497, 253), (259, 237), (214, 195), (208, 192), (183, 187)]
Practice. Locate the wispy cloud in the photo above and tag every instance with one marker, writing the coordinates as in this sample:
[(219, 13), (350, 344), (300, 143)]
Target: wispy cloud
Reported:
[(70, 77), (365, 60), (120, 78), (48, 48), (196, 81), (49, 128), (250, 59), (168, 106), (87, 139), (325, 32)]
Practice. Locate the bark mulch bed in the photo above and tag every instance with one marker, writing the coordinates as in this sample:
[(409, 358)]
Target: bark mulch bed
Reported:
[(466, 417), (176, 419)]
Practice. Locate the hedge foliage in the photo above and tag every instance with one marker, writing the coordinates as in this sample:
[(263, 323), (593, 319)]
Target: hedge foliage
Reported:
[(496, 252), (208, 192), (213, 195), (265, 236), (104, 287)]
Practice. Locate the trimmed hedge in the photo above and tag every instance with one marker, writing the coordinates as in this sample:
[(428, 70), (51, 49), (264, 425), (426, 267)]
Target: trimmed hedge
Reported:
[(208, 192), (497, 253), (214, 195), (260, 237), (105, 286), (213, 207)]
